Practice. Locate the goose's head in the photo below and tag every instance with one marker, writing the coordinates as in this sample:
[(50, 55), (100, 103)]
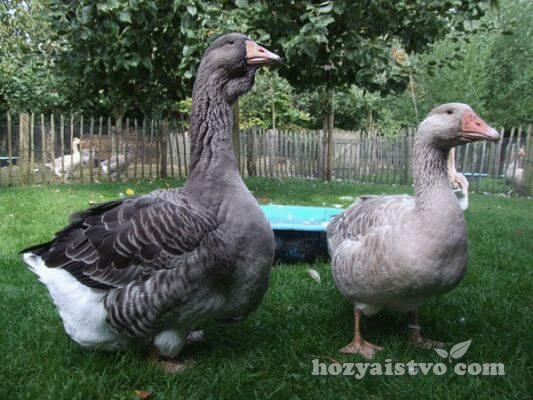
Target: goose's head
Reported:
[(454, 124), (76, 142), (232, 60)]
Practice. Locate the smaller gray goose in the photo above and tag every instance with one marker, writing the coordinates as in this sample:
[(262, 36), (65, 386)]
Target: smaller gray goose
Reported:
[(394, 252), (151, 267)]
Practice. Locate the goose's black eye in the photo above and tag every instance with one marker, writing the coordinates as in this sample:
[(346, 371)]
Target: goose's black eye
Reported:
[(231, 42), (449, 112)]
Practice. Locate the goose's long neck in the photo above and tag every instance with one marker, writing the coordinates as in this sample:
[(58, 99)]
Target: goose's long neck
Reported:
[(212, 161), (432, 191)]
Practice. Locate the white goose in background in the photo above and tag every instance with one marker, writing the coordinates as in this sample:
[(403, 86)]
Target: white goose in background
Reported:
[(69, 162), (151, 267), (394, 252), (514, 173), (458, 181)]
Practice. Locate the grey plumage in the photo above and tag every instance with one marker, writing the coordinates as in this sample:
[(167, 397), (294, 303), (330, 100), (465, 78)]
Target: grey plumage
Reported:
[(115, 164), (167, 261), (396, 251)]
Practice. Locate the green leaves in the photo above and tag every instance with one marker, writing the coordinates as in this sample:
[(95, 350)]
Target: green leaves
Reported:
[(188, 50), (271, 97), (86, 14), (132, 55), (124, 16), (144, 53), (28, 50), (325, 7)]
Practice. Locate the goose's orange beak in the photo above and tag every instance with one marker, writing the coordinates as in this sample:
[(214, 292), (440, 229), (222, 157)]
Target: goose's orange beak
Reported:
[(474, 128), (258, 55)]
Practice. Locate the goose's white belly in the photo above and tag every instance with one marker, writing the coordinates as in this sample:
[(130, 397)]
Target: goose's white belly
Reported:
[(80, 307), (84, 316)]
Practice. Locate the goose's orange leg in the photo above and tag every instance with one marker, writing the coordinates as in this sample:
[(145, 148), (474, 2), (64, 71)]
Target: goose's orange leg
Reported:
[(358, 345), (416, 338)]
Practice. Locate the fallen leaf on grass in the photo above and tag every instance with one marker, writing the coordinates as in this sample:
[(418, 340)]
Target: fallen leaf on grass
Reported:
[(143, 394), (314, 274)]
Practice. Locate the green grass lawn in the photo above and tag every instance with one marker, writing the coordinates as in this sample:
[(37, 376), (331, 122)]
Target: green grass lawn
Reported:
[(270, 354)]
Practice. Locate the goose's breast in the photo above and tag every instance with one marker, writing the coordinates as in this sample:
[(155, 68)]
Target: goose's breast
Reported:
[(253, 244), (382, 267), (425, 270)]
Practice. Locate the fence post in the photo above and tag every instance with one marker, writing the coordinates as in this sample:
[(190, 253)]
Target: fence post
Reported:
[(163, 149), (32, 149), (250, 154), (406, 138), (24, 146), (528, 168), (330, 146), (9, 149), (52, 138), (43, 151), (324, 149)]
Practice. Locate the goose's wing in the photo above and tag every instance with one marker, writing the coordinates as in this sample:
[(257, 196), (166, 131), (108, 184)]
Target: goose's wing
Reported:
[(367, 214), (361, 252), (114, 243)]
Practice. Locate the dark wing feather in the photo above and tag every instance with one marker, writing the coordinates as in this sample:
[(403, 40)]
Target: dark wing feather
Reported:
[(114, 243)]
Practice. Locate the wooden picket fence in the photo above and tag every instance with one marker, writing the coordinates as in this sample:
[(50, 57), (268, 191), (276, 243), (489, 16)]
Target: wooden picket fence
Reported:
[(153, 149)]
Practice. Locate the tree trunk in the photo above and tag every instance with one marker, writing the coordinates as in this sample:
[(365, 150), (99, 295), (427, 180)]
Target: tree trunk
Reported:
[(236, 134), (273, 116), (413, 97)]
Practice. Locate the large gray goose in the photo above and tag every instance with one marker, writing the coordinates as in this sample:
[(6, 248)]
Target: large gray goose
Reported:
[(153, 266), (394, 252)]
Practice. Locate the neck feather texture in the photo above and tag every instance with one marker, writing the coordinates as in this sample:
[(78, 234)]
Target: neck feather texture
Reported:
[(430, 177), (211, 130)]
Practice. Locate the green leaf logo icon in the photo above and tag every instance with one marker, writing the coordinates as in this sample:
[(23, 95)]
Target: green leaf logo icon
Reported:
[(441, 352), (460, 349)]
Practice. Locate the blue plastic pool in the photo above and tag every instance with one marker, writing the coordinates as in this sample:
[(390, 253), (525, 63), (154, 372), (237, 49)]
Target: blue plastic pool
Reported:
[(474, 175), (300, 231)]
